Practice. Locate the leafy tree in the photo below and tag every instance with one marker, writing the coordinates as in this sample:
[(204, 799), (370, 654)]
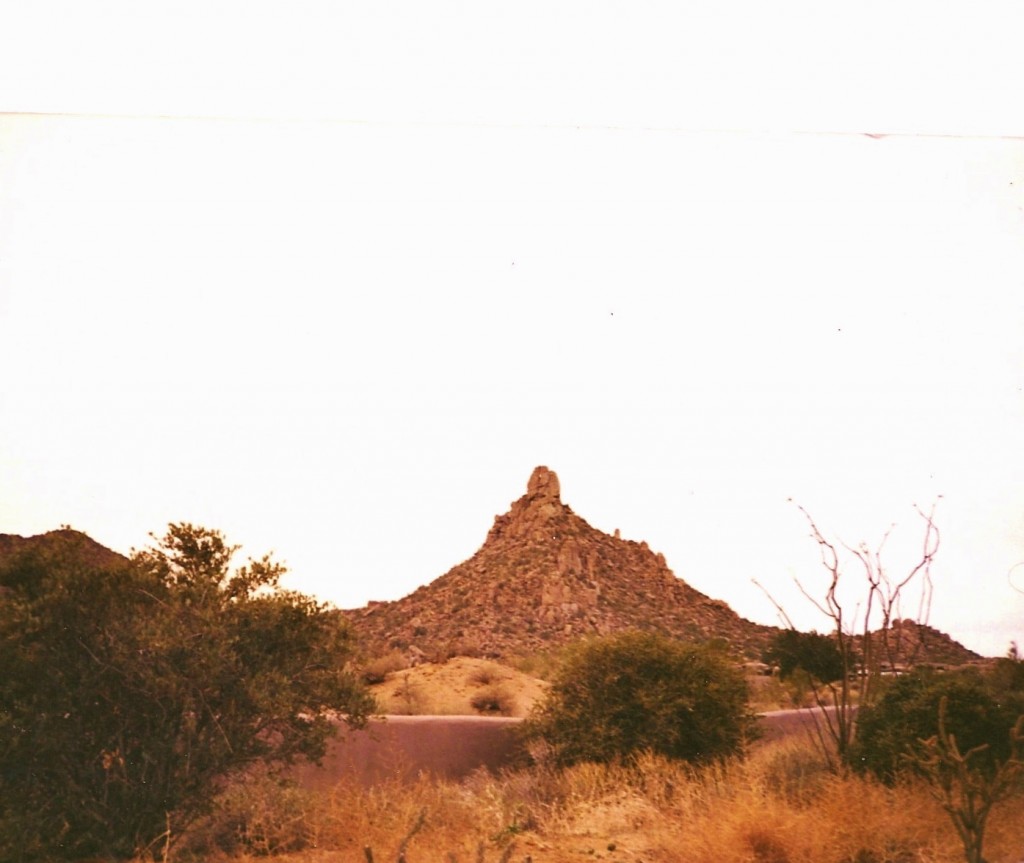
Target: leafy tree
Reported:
[(639, 691), (132, 689), (815, 654)]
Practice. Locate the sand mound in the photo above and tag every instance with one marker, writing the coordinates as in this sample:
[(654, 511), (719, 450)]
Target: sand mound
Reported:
[(460, 686)]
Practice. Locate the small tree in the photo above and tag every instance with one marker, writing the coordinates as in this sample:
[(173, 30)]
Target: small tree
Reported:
[(639, 691), (815, 654), (131, 690)]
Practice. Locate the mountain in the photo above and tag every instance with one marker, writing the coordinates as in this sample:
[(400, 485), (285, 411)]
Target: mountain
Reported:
[(542, 578)]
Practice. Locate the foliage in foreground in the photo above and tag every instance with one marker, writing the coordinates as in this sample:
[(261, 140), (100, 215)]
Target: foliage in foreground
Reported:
[(639, 691), (978, 713), (962, 732), (967, 782), (781, 804), (131, 691)]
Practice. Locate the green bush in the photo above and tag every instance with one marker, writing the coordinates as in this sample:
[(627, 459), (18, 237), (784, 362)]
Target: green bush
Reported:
[(817, 655), (978, 712), (132, 689), (633, 692)]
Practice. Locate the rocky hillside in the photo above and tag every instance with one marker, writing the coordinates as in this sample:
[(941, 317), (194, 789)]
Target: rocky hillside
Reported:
[(545, 577), (913, 643)]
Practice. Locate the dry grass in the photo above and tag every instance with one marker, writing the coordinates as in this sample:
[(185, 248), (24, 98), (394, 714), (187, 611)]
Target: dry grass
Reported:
[(779, 806)]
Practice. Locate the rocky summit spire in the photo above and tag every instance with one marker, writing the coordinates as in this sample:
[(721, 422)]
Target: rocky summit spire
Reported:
[(535, 510), (544, 484)]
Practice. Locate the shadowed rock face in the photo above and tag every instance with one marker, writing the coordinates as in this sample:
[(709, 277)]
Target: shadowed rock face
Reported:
[(544, 577)]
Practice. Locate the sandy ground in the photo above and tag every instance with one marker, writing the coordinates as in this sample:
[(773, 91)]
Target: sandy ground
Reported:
[(449, 689)]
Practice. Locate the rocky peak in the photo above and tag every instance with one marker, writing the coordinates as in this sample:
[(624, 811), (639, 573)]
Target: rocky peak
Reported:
[(534, 512), (544, 577), (543, 484)]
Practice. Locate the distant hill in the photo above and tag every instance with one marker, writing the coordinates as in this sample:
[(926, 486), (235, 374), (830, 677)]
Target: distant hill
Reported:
[(914, 643), (65, 541), (542, 578)]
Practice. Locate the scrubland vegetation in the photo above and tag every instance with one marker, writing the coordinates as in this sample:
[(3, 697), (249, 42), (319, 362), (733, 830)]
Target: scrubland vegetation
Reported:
[(779, 804), (150, 708), (902, 798)]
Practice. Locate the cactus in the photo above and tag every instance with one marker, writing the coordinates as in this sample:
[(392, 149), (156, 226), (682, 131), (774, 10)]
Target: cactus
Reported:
[(966, 793)]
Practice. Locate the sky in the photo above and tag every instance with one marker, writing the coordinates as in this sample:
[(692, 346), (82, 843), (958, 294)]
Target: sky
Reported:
[(333, 278)]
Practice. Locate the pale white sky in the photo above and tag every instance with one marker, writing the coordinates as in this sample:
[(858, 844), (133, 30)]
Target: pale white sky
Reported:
[(334, 278)]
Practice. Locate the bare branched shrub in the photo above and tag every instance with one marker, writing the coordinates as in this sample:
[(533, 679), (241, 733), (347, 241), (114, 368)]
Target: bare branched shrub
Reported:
[(868, 636), (410, 696)]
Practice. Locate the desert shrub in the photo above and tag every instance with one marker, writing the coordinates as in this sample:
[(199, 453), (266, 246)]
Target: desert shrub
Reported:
[(131, 691), (1007, 674), (815, 654), (639, 691), (410, 697), (493, 699), (376, 670), (543, 663), (485, 675), (977, 713), (259, 814)]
